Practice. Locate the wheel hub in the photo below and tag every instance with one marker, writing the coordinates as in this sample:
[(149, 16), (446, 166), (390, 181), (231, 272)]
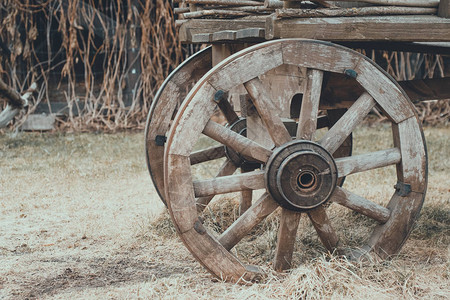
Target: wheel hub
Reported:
[(301, 175)]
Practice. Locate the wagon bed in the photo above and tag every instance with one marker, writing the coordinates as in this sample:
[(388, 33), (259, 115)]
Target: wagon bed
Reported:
[(308, 23)]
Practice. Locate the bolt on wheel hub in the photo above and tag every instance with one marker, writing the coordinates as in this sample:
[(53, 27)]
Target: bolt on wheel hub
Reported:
[(301, 175)]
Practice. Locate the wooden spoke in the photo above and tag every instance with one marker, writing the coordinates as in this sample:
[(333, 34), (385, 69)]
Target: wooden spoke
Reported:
[(237, 142), (246, 201), (364, 162), (246, 196), (228, 184), (307, 122), (225, 106), (212, 153), (245, 223), (228, 168), (287, 232), (344, 127), (361, 205), (322, 224), (268, 111)]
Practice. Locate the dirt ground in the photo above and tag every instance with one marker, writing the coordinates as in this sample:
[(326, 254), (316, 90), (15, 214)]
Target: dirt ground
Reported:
[(80, 219)]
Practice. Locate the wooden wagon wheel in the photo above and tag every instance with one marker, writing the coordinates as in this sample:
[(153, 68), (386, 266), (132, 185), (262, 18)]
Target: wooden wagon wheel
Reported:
[(164, 108), (299, 175)]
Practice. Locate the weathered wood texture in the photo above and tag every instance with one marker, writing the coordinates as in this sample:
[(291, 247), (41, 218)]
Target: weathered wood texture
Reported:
[(353, 12), (165, 105), (193, 118), (237, 142), (252, 217), (365, 162), (417, 3), (361, 205), (228, 184), (226, 2), (11, 96), (15, 103), (287, 233), (227, 168), (444, 8), (307, 122), (268, 111), (345, 126), (192, 27), (382, 28), (324, 229)]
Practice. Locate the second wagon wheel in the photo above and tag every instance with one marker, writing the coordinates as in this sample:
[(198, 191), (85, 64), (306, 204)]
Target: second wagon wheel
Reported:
[(299, 176)]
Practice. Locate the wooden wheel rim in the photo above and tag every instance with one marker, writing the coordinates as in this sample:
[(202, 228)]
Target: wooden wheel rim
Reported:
[(409, 153), (164, 106)]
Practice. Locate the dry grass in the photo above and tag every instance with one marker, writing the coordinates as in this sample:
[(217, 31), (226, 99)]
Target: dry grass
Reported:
[(80, 219)]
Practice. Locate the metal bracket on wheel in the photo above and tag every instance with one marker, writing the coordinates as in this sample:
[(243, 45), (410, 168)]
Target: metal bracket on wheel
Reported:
[(160, 140), (403, 189)]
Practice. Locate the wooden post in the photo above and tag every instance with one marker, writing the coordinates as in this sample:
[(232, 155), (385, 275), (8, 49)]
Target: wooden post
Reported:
[(444, 9)]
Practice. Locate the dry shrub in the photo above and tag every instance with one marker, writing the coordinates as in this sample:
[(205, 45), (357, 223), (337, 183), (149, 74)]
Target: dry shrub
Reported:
[(104, 59)]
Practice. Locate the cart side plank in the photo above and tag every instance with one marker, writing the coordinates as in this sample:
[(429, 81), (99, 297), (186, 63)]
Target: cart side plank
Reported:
[(192, 27), (380, 28)]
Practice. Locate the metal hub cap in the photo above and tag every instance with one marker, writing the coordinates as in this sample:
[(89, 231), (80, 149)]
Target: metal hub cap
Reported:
[(301, 175)]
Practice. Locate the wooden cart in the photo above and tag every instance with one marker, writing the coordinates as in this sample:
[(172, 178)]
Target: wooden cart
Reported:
[(275, 73)]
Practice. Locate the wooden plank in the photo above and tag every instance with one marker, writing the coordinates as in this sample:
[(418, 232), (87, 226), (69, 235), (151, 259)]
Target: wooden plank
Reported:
[(228, 168), (416, 3), (416, 47), (226, 2), (353, 12), (287, 233), (360, 205), (345, 126), (307, 122), (228, 184), (207, 154), (226, 35), (343, 91), (202, 38), (444, 9), (369, 161), (192, 27), (247, 221), (251, 34), (237, 142), (267, 111), (427, 89), (382, 28), (319, 55), (323, 227)]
